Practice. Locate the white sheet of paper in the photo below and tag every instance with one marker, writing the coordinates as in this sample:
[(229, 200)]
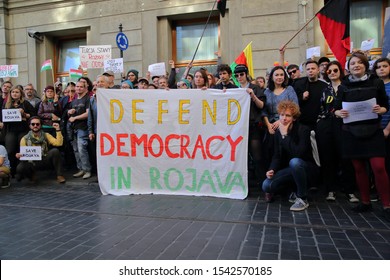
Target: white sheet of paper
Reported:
[(313, 52), (367, 45), (31, 152), (360, 111), (115, 65), (157, 69), (12, 115)]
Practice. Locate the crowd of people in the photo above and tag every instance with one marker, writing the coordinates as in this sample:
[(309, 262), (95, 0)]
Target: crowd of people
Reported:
[(325, 131)]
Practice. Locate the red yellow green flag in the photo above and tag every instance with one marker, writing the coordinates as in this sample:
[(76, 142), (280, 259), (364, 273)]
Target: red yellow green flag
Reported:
[(245, 57), (75, 74)]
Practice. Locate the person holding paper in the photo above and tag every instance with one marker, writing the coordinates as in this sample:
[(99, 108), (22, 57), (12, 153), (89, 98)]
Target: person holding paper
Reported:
[(328, 136), (15, 129), (363, 140), (37, 137)]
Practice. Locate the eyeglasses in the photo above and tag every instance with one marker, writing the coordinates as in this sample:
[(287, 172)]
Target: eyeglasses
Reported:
[(239, 74), (35, 124), (336, 70), (293, 72)]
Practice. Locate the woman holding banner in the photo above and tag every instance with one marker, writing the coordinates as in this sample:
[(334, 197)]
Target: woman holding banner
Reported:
[(17, 128), (362, 134)]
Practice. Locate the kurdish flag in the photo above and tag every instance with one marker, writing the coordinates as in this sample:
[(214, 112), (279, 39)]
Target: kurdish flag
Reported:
[(75, 73), (47, 65), (245, 57)]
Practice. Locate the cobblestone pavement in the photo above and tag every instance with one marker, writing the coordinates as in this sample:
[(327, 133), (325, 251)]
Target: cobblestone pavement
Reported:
[(74, 221)]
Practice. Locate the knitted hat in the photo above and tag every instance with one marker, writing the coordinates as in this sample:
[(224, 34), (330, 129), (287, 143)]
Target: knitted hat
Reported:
[(129, 83), (187, 82), (135, 72)]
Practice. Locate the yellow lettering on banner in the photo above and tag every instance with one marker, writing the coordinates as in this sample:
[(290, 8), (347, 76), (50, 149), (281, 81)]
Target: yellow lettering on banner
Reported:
[(135, 110), (112, 109), (229, 115), (183, 111), (161, 111), (212, 114)]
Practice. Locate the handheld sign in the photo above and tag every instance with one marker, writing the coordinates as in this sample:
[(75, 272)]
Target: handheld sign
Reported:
[(9, 71), (94, 56), (12, 115), (115, 65), (31, 153), (157, 69)]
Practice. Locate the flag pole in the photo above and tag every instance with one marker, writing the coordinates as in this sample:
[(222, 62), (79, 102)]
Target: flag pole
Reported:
[(52, 75), (204, 29), (306, 24)]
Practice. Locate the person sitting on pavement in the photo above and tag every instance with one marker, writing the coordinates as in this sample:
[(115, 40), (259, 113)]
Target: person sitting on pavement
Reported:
[(293, 160), (5, 168), (36, 137)]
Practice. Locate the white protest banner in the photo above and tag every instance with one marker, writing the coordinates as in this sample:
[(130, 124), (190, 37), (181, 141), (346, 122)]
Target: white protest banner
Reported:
[(157, 69), (31, 152), (115, 65), (11, 71), (313, 52), (176, 142), (360, 110), (12, 115), (367, 44), (94, 56)]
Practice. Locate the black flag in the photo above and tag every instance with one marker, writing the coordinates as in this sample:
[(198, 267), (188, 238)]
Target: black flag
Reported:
[(221, 6)]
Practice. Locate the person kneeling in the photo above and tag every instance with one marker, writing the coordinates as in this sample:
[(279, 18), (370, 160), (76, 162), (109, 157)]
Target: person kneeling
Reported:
[(293, 159), (37, 137), (5, 168)]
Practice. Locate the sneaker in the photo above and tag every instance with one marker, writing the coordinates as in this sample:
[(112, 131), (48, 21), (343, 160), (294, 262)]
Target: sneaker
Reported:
[(361, 208), (18, 177), (6, 183), (374, 197), (61, 179), (79, 174), (352, 198), (331, 196), (292, 197), (87, 175), (269, 197), (299, 205)]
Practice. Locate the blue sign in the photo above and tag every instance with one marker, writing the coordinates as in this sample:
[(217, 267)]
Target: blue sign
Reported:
[(121, 41)]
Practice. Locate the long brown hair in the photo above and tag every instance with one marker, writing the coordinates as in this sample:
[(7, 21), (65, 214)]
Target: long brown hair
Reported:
[(10, 100)]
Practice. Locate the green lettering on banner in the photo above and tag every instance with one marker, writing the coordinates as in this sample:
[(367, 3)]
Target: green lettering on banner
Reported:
[(123, 181), (229, 182), (166, 179), (237, 181), (206, 179), (192, 188), (154, 175)]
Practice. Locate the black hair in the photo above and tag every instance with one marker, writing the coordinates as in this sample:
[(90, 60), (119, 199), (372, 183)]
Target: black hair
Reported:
[(271, 83)]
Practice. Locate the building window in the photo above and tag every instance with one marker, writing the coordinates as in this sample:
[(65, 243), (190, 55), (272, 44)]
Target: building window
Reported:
[(185, 37), (366, 22), (68, 57)]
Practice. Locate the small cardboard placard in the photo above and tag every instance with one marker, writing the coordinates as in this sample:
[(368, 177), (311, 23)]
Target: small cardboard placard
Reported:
[(12, 115), (31, 153)]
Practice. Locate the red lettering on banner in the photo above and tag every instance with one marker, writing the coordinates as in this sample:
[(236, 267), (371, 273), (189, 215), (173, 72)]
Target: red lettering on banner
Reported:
[(160, 142), (156, 146), (208, 143), (199, 145), (184, 146), (121, 144), (134, 140), (233, 144), (111, 140), (167, 140)]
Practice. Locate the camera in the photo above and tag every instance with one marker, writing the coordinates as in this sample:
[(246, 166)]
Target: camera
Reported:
[(35, 35)]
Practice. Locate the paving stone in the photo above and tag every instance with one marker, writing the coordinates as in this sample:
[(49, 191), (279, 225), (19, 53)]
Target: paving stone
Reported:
[(77, 222)]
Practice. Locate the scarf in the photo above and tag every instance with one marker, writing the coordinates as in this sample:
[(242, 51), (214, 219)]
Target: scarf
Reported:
[(40, 141), (352, 79)]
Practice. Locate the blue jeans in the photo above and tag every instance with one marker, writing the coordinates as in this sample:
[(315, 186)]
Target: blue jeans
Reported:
[(297, 172), (80, 148)]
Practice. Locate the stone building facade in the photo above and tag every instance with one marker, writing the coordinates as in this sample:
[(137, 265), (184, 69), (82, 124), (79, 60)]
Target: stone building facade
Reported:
[(148, 24)]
